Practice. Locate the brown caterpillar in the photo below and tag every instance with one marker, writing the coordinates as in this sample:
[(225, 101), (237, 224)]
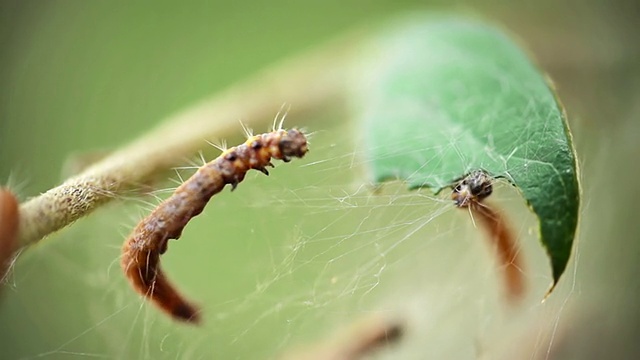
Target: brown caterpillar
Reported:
[(141, 251)]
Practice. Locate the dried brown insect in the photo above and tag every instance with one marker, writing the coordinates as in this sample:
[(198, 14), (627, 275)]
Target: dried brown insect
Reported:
[(141, 251), (470, 192)]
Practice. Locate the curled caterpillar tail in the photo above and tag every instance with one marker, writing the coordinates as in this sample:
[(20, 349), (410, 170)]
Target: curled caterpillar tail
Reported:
[(142, 268)]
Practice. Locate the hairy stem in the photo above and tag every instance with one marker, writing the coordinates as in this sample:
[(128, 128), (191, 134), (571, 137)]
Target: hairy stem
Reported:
[(305, 82)]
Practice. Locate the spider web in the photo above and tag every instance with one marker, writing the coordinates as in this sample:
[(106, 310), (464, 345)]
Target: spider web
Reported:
[(288, 261)]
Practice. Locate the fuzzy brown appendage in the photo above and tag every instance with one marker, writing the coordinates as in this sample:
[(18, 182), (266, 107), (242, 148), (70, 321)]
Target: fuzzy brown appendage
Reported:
[(9, 220), (141, 251), (362, 339), (504, 240)]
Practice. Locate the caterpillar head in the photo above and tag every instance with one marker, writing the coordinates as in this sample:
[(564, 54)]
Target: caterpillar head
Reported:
[(293, 143)]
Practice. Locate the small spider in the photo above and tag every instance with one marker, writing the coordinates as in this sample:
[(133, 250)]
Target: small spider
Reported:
[(474, 187)]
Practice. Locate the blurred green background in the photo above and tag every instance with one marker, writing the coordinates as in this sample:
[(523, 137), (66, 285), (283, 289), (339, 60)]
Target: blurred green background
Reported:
[(291, 258)]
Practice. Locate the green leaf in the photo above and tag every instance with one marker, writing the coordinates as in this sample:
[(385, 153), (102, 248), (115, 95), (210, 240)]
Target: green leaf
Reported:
[(445, 95)]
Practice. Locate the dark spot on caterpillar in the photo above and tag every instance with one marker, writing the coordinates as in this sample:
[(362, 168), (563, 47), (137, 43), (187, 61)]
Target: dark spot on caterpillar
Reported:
[(232, 156)]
